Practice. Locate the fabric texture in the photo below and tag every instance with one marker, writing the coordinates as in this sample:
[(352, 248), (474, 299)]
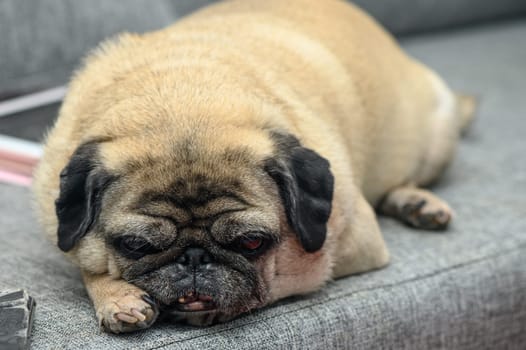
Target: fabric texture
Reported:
[(414, 16), (43, 41), (462, 289)]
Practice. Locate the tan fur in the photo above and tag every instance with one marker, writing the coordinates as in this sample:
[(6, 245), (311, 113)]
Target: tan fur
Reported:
[(322, 70), (116, 298)]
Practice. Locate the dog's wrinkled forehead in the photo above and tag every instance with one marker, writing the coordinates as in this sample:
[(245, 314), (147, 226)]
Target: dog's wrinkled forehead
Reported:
[(190, 178), (195, 199), (190, 182), (212, 149), (197, 190)]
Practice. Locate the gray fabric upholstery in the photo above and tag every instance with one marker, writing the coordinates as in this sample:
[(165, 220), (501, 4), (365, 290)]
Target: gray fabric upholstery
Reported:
[(412, 16), (42, 41), (461, 289)]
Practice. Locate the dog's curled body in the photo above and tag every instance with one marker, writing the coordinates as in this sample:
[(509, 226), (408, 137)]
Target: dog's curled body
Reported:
[(214, 98)]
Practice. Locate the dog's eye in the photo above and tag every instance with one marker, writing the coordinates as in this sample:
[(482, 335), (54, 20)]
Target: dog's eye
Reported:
[(250, 243), (134, 247), (251, 246)]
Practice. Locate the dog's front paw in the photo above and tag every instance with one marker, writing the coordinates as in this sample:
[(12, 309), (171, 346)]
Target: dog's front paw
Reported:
[(130, 312)]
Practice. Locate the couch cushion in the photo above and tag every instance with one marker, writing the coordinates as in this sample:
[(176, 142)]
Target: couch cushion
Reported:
[(413, 16), (43, 41), (464, 288)]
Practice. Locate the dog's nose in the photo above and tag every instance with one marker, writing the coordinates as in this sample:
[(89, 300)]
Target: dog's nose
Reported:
[(194, 257)]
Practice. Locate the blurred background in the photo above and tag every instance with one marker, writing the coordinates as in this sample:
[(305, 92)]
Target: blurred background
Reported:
[(44, 41)]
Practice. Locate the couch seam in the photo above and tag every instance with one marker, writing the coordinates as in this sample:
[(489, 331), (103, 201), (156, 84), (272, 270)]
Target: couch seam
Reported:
[(390, 285)]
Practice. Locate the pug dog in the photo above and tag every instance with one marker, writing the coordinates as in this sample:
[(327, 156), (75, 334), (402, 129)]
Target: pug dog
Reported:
[(236, 158)]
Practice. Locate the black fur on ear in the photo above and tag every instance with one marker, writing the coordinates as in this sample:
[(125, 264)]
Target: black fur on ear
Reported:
[(82, 183), (306, 186)]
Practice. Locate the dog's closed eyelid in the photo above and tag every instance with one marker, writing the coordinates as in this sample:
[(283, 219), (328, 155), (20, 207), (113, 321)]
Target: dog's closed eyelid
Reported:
[(256, 233), (161, 211), (154, 233)]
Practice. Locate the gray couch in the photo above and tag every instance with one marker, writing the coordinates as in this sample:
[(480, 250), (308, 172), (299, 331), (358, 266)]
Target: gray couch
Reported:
[(465, 288)]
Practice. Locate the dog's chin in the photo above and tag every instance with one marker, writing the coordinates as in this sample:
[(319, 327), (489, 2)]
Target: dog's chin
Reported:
[(202, 310), (194, 318), (201, 318)]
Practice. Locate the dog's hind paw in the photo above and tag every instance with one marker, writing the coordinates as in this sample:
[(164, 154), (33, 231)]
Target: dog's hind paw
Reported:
[(417, 208)]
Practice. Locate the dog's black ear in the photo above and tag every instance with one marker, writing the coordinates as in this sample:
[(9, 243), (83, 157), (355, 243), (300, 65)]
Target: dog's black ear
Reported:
[(306, 186), (82, 183)]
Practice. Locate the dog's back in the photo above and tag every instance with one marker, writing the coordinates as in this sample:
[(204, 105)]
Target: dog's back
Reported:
[(333, 68)]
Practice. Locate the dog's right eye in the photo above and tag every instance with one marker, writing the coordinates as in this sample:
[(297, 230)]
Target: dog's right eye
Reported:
[(134, 247), (252, 245)]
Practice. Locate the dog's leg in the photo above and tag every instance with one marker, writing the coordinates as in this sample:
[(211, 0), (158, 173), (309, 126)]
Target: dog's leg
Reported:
[(361, 246), (119, 306), (417, 208)]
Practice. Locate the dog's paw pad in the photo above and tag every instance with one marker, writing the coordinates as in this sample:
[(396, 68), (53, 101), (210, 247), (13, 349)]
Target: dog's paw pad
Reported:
[(131, 312)]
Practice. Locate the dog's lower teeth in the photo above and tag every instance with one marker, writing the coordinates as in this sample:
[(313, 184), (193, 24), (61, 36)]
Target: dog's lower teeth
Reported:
[(195, 306), (193, 298), (195, 302)]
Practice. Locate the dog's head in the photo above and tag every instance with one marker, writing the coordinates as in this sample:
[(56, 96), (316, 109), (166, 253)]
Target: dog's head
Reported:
[(209, 228)]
